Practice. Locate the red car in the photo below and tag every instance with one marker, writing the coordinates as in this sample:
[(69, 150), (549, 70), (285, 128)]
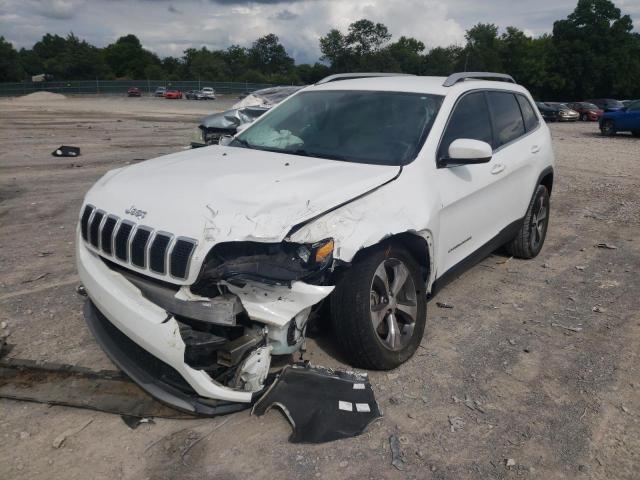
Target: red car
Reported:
[(173, 94), (588, 111), (134, 92)]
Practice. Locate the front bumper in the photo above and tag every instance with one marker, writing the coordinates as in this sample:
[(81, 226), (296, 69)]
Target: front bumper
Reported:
[(147, 326)]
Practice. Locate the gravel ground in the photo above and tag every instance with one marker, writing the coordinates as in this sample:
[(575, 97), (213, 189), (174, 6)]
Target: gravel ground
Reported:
[(536, 365)]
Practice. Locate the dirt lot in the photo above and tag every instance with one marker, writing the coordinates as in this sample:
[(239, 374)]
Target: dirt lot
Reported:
[(538, 359)]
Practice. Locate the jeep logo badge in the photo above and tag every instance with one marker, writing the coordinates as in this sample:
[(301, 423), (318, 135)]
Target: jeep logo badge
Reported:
[(132, 210)]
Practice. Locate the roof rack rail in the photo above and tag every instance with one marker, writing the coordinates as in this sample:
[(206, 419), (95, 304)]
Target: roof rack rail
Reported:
[(461, 76), (353, 76)]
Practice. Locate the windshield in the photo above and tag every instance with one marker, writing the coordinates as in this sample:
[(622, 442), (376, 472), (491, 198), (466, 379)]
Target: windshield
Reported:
[(614, 104), (382, 128)]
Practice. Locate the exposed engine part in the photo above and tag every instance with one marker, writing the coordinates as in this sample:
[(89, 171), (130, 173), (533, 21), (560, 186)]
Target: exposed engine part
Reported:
[(269, 263), (200, 346), (234, 351), (253, 371)]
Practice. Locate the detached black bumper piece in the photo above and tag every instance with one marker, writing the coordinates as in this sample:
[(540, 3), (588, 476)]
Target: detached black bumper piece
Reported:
[(321, 404), (155, 377)]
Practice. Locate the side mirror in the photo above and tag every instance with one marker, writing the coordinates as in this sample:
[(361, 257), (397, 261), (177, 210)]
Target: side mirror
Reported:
[(465, 151)]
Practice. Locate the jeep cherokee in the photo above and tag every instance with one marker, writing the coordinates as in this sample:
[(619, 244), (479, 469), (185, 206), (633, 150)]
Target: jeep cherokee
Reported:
[(364, 193)]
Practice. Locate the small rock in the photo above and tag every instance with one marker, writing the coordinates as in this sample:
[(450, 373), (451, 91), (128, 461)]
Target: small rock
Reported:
[(624, 409), (24, 435), (512, 341), (509, 462), (455, 423), (580, 267), (3, 325), (344, 464), (597, 309), (444, 305)]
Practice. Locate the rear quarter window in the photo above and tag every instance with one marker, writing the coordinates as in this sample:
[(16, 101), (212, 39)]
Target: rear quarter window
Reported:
[(507, 119), (528, 113)]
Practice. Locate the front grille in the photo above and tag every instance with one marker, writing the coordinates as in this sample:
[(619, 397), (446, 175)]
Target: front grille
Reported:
[(137, 245), (94, 229), (158, 253), (122, 240), (180, 257)]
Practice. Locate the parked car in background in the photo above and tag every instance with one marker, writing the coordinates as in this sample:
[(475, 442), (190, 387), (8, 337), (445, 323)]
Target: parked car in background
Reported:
[(626, 103), (588, 112), (208, 93), (134, 92), (225, 124), (194, 95), (624, 120), (565, 114), (173, 94), (160, 91), (550, 114), (607, 104)]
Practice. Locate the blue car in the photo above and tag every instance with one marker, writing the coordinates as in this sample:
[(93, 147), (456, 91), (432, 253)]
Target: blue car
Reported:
[(624, 120)]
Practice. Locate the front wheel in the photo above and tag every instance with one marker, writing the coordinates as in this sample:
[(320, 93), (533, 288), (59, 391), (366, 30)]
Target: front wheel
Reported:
[(378, 309), (584, 117), (533, 231), (608, 128), (635, 133)]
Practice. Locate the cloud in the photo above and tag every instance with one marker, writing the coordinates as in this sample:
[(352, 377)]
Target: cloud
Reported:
[(284, 15), (55, 9), (299, 24)]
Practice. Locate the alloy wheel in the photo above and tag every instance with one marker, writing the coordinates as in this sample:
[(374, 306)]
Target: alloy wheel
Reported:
[(393, 304), (538, 222)]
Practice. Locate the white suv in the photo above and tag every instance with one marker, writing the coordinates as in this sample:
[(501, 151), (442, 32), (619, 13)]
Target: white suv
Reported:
[(363, 193)]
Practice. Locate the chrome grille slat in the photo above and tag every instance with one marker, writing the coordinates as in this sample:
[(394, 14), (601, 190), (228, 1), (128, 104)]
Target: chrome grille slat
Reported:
[(106, 234), (137, 245), (94, 228)]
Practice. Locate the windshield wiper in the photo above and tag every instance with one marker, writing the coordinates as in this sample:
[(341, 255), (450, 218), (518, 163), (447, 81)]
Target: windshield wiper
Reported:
[(242, 143), (328, 156)]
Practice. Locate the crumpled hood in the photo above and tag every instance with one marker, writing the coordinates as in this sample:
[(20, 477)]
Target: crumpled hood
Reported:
[(218, 194)]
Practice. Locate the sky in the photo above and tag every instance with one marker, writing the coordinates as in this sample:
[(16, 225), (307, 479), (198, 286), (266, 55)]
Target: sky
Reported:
[(168, 27)]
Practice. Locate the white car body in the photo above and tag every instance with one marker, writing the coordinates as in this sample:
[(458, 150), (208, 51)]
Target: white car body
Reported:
[(227, 194), (208, 93)]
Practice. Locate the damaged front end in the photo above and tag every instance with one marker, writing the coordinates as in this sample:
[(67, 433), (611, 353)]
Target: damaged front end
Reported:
[(250, 301)]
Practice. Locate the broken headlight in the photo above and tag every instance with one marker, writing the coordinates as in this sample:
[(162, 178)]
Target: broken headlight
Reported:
[(270, 263)]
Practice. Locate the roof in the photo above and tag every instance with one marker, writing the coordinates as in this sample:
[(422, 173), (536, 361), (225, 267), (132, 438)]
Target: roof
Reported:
[(415, 84)]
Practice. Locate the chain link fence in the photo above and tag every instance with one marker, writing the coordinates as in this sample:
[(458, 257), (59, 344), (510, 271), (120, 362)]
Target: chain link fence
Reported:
[(119, 87)]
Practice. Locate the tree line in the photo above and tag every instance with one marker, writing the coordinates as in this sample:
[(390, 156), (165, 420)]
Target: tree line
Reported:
[(593, 52)]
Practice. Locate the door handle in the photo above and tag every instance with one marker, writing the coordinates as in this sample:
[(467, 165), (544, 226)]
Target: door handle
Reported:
[(535, 149), (497, 168)]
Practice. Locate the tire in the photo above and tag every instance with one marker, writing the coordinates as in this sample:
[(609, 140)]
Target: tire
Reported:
[(635, 133), (584, 117), (530, 238), (608, 128), (360, 297)]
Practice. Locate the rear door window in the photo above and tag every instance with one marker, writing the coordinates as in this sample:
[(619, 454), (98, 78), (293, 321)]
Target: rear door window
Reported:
[(470, 119), (528, 114), (507, 119)]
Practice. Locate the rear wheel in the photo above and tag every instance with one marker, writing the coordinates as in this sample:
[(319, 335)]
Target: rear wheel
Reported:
[(530, 238), (378, 309), (608, 128), (584, 117), (635, 133)]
